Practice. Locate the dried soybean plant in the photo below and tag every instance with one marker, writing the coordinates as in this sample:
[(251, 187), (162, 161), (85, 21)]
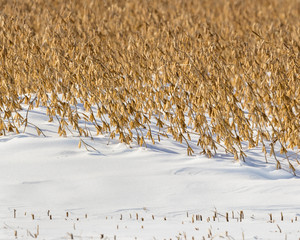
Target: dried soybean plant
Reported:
[(226, 72)]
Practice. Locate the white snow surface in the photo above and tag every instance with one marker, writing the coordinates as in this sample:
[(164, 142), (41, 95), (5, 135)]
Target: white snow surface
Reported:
[(132, 192)]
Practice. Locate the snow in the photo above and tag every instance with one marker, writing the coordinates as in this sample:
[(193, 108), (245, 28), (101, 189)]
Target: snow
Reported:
[(103, 192)]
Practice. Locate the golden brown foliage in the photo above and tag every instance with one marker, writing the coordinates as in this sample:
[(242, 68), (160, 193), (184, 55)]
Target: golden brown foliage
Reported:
[(197, 67)]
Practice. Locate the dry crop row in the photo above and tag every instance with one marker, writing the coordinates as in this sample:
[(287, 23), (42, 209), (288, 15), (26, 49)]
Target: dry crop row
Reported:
[(142, 220), (226, 71)]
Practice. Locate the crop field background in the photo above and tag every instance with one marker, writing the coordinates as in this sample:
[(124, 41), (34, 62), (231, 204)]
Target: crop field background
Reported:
[(140, 85), (226, 72)]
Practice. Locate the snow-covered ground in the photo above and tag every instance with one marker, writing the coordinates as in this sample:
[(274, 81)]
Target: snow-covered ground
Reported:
[(51, 189)]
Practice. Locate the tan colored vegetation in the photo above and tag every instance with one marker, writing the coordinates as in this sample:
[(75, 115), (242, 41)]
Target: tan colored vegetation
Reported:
[(196, 67)]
